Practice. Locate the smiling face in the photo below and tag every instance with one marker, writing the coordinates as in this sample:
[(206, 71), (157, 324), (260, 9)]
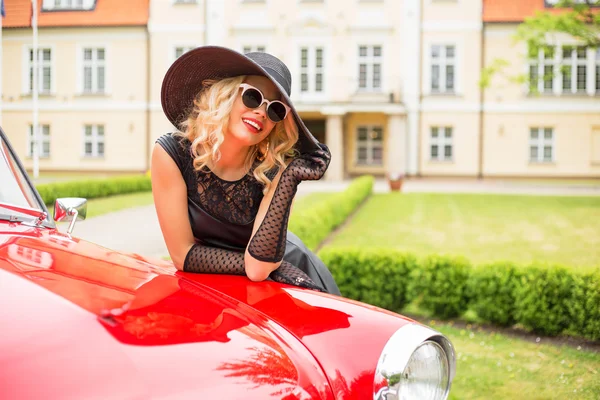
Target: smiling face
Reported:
[(243, 122)]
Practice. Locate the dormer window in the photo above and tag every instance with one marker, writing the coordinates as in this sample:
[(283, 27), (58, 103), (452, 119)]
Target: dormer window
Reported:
[(68, 5)]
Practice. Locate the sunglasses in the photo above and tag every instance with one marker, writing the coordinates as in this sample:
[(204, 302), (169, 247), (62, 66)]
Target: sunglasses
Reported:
[(253, 98)]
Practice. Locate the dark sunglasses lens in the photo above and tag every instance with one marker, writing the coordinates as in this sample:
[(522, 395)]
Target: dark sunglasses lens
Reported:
[(276, 112), (252, 98)]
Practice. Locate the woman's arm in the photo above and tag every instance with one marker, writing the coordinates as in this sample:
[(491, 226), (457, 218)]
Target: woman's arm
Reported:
[(258, 270), (266, 247), (170, 200)]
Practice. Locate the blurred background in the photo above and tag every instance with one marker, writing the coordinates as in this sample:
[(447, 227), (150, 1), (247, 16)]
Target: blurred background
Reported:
[(394, 87)]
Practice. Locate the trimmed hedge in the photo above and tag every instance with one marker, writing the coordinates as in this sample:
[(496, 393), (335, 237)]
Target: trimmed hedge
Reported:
[(374, 276), (316, 223), (440, 285), (546, 299), (492, 292), (94, 188), (540, 296)]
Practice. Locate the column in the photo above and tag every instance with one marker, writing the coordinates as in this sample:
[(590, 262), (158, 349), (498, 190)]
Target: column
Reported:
[(412, 38), (334, 139), (396, 145)]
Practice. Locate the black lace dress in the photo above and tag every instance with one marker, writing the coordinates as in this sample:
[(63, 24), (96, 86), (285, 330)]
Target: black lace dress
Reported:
[(222, 213)]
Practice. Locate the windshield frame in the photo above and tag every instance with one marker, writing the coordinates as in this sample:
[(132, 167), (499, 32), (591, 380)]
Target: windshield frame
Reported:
[(48, 222)]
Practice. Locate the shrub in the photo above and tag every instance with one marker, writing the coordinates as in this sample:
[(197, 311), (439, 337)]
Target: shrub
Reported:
[(439, 285), (314, 224), (492, 292), (544, 298), (94, 188), (583, 305), (541, 297), (375, 276)]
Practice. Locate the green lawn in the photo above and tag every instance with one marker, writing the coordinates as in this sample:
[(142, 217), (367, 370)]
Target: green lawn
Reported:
[(496, 366), (310, 199), (114, 203), (483, 228)]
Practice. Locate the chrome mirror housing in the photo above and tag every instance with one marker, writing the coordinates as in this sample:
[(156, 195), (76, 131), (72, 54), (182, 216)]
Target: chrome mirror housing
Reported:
[(70, 209)]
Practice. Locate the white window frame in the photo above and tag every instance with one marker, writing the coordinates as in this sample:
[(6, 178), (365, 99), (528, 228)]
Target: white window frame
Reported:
[(541, 62), (370, 60), (95, 139), (28, 63), (443, 62), (369, 144), (249, 48), (540, 143), (49, 5), (573, 63), (44, 139), (441, 141), (95, 65), (185, 49), (311, 70)]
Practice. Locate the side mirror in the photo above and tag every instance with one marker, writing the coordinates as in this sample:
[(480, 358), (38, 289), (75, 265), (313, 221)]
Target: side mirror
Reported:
[(70, 209)]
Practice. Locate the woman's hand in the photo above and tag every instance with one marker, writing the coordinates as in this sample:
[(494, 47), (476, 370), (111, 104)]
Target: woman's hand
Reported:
[(311, 166)]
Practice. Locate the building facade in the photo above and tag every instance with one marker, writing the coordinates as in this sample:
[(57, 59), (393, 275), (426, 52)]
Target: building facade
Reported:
[(392, 86)]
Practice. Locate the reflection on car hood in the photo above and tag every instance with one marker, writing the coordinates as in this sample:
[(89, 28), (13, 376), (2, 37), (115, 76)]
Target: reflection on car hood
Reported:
[(176, 333)]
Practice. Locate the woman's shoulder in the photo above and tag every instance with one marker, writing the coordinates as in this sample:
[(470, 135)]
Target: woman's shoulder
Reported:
[(177, 146)]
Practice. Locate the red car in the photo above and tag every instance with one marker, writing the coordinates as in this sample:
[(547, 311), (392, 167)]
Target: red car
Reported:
[(84, 322)]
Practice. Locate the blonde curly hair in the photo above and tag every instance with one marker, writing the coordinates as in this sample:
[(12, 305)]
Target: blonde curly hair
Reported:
[(209, 118)]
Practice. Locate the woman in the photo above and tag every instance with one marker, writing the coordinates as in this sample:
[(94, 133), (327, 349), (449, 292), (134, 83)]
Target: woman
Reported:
[(223, 187)]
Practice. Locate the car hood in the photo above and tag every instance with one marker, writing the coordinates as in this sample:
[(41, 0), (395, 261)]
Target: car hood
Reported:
[(120, 325)]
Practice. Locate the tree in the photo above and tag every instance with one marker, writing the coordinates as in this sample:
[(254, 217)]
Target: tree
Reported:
[(580, 19)]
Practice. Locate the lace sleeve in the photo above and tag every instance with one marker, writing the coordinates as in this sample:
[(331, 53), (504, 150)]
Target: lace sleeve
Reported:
[(212, 260), (268, 243)]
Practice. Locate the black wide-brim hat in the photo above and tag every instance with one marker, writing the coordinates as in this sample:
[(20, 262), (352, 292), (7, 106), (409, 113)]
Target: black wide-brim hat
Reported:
[(183, 81)]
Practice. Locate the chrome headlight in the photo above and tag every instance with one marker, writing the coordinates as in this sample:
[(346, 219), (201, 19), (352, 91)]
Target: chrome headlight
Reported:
[(416, 363)]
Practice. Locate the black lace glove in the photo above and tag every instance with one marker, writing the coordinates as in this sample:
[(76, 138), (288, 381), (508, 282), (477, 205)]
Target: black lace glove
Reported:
[(212, 260), (268, 243)]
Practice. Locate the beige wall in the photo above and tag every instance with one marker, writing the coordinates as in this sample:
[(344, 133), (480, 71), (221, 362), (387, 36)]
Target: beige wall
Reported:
[(465, 144), (124, 140), (452, 10), (510, 112), (506, 145), (121, 109)]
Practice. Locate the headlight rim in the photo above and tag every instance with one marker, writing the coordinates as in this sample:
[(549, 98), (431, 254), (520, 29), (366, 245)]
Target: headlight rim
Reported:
[(404, 342)]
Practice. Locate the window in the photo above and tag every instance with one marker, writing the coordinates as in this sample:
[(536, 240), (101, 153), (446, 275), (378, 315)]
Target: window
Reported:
[(181, 50), (93, 141), (573, 69), (251, 49), (553, 3), (43, 144), (441, 143), (44, 71), (369, 145), (369, 67), (48, 5), (94, 70), (186, 1), (311, 69), (443, 68), (541, 145), (541, 71)]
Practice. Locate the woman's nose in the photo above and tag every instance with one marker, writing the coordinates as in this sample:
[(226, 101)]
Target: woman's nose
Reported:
[(261, 110)]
